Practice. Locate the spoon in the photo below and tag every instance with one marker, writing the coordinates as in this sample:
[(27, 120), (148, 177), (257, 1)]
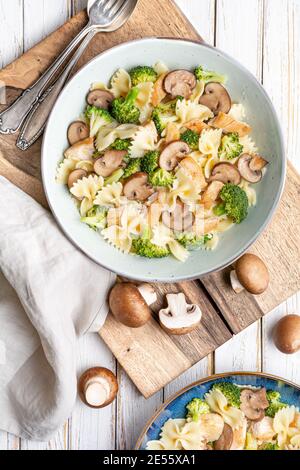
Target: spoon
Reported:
[(104, 15)]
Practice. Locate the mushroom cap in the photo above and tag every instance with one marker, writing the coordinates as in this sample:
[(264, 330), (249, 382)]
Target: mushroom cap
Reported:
[(98, 387), (77, 131), (226, 173), (137, 188), (172, 153), (128, 305), (111, 161), (246, 163), (216, 98), (252, 273), (179, 318), (253, 403), (287, 334), (225, 440), (180, 83), (180, 220), (100, 98), (76, 175)]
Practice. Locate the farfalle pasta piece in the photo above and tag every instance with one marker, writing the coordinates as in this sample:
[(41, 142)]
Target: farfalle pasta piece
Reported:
[(218, 404), (184, 188), (108, 134), (144, 139), (85, 190), (237, 112), (209, 164), (64, 169), (283, 425), (120, 83), (178, 251), (118, 237), (249, 146), (209, 142), (251, 193), (160, 67), (143, 101), (187, 110), (110, 196), (164, 237), (198, 91), (177, 434)]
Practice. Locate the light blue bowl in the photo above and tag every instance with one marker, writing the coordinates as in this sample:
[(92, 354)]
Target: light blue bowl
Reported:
[(242, 86), (176, 406)]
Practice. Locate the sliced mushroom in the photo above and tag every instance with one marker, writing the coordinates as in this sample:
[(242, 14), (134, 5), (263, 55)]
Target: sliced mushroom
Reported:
[(251, 274), (77, 131), (216, 98), (76, 175), (137, 188), (180, 83), (82, 150), (129, 304), (111, 161), (179, 318), (172, 153), (100, 98), (253, 403), (250, 167), (180, 220), (211, 194), (225, 440), (98, 387), (226, 173)]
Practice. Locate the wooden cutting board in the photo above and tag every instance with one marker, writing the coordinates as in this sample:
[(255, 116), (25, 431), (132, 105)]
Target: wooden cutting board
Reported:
[(151, 357)]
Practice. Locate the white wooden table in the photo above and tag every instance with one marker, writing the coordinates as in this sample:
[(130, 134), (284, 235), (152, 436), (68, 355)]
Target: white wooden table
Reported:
[(262, 34)]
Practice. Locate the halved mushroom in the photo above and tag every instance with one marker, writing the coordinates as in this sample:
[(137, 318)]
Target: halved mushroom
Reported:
[(76, 175), (253, 403), (180, 220), (130, 303), (226, 173), (82, 150), (216, 98), (225, 440), (179, 318), (180, 83), (137, 188), (211, 194), (251, 274), (250, 167), (172, 153), (77, 131), (100, 98), (111, 161), (98, 387)]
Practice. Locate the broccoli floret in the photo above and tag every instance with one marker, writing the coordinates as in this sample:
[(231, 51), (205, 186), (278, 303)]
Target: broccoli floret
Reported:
[(98, 117), (230, 391), (274, 403), (196, 408), (124, 109), (121, 144), (95, 218), (144, 247), (114, 177), (209, 76), (164, 113), (219, 209), (142, 73), (149, 162), (236, 202), (161, 177), (132, 167), (191, 241), (191, 138), (269, 446), (230, 146)]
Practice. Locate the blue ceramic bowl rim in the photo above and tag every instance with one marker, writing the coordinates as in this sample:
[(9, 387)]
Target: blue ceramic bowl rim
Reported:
[(203, 381), (268, 219)]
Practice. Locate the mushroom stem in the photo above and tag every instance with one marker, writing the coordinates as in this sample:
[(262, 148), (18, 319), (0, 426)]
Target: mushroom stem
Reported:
[(235, 283), (148, 293), (96, 391)]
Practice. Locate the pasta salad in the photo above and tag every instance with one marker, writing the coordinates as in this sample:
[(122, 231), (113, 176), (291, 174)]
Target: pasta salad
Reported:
[(161, 161), (230, 417)]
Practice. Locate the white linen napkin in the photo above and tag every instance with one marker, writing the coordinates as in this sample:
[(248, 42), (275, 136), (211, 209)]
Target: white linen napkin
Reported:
[(50, 294)]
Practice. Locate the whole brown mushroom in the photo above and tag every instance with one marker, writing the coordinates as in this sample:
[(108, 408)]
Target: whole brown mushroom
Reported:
[(287, 334), (98, 387), (251, 274), (130, 303)]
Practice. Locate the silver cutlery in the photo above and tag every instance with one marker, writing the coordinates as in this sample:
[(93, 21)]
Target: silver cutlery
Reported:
[(104, 15)]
